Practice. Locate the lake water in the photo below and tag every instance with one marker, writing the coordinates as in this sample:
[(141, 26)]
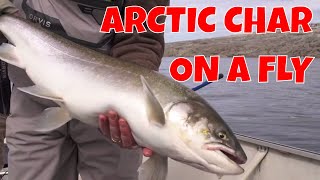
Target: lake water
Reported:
[(282, 112)]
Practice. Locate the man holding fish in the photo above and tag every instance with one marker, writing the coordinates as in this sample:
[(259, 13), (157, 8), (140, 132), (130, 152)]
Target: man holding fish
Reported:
[(52, 132), (77, 146)]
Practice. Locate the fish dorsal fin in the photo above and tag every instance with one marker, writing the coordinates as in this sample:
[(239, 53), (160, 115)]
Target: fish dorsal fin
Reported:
[(9, 55), (40, 92), (153, 108)]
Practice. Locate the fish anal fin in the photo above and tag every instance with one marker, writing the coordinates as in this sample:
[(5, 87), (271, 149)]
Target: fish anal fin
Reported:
[(40, 92)]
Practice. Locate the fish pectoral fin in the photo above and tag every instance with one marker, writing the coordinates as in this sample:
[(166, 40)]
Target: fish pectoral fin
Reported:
[(9, 55), (52, 118), (40, 92), (153, 108), (155, 168)]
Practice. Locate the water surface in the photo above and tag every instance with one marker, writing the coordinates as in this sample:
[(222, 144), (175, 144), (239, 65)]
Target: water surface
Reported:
[(282, 112)]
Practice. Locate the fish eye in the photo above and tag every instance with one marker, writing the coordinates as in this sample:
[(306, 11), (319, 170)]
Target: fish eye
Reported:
[(223, 136)]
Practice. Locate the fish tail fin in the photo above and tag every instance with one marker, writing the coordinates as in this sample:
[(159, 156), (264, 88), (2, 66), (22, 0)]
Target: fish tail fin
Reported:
[(155, 168), (9, 55)]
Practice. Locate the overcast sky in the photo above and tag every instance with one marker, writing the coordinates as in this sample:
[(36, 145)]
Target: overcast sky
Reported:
[(223, 6)]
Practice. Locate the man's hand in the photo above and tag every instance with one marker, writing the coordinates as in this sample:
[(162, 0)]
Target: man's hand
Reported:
[(117, 129)]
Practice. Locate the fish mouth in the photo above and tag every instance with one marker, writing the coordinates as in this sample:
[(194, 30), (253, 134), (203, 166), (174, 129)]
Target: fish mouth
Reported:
[(230, 153)]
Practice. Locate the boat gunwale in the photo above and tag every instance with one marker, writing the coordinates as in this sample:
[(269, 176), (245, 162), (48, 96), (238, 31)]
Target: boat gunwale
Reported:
[(279, 147)]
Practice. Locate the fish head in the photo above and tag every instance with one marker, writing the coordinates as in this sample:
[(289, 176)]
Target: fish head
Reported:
[(208, 137)]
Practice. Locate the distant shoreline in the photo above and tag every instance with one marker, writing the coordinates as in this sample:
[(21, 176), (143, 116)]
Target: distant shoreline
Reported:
[(253, 45)]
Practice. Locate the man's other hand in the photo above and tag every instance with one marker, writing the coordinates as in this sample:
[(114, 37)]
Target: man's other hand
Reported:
[(117, 129)]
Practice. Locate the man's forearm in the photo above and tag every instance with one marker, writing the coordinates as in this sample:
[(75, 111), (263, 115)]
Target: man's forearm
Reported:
[(145, 49), (6, 7)]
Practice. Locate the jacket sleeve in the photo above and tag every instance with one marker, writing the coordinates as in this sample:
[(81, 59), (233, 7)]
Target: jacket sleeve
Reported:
[(145, 49), (6, 7)]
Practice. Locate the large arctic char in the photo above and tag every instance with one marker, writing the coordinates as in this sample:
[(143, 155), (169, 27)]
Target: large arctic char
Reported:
[(164, 115)]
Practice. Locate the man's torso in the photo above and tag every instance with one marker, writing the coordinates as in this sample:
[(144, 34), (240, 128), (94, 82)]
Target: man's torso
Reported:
[(76, 20)]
